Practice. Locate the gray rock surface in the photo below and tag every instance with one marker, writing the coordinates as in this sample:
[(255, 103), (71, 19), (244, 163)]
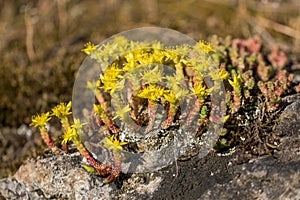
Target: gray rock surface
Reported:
[(267, 177), (62, 177), (212, 177)]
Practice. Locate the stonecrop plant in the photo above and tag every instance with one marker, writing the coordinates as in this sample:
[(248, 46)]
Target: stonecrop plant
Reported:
[(143, 86)]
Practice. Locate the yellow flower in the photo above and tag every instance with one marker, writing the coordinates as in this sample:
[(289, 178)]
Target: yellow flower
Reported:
[(208, 48), (113, 144), (201, 91), (70, 135), (157, 45), (200, 66), (174, 82), (226, 118), (89, 47), (110, 77), (73, 132), (182, 51), (236, 83), (170, 96), (99, 109), (152, 75), (181, 93), (40, 120), (62, 110), (77, 124), (151, 92), (224, 74), (122, 113), (121, 41)]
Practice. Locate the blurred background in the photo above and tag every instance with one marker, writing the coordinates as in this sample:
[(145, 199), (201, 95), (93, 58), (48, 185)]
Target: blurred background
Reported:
[(41, 44)]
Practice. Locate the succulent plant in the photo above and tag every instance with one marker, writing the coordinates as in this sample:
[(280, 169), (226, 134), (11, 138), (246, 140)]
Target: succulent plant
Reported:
[(143, 86)]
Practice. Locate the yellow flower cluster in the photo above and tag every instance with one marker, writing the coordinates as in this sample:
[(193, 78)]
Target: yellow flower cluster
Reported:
[(62, 110), (170, 96), (100, 110), (139, 69), (89, 47), (73, 132), (41, 120), (154, 75), (208, 48), (113, 144), (236, 82), (151, 92), (201, 90), (110, 78)]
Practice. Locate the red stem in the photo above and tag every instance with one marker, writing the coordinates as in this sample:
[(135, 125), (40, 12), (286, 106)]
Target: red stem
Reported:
[(152, 108), (49, 142)]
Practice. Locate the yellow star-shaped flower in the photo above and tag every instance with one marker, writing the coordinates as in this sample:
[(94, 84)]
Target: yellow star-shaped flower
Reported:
[(62, 110), (40, 120), (89, 47), (113, 144)]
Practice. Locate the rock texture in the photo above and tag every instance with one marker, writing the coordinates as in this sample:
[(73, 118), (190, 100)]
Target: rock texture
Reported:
[(213, 177), (268, 177)]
